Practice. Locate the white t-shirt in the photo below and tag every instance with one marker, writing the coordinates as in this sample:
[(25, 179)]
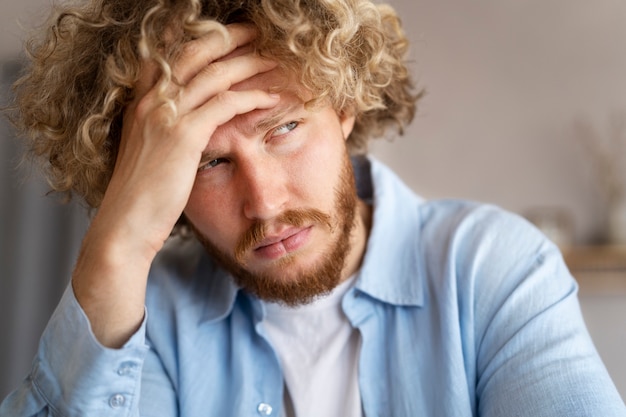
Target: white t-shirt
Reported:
[(318, 351)]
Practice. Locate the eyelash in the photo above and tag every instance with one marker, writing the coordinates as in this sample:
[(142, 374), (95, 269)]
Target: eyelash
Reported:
[(294, 124), (211, 164)]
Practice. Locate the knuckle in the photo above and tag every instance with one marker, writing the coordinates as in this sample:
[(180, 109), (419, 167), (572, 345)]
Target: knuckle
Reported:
[(190, 49), (215, 70), (162, 115), (143, 107), (225, 98)]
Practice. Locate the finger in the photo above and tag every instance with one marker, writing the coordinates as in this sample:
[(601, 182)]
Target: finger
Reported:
[(221, 76), (200, 52), (148, 77), (223, 108), (241, 50)]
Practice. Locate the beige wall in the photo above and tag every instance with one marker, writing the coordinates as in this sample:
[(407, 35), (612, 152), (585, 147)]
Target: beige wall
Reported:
[(507, 81), (15, 16)]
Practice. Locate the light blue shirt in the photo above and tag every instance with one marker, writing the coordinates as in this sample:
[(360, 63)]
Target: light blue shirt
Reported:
[(463, 310)]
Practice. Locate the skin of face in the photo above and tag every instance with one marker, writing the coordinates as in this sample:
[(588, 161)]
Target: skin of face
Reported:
[(274, 197)]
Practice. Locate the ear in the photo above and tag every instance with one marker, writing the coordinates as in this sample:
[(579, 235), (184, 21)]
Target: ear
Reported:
[(347, 123)]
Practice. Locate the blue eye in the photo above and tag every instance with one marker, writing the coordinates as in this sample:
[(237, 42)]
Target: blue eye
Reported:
[(286, 128)]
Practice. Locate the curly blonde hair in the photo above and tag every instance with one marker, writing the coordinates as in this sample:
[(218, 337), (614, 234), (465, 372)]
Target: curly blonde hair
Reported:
[(83, 67)]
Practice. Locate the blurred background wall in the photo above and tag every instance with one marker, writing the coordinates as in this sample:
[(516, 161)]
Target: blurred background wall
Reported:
[(38, 242), (523, 96), (509, 84)]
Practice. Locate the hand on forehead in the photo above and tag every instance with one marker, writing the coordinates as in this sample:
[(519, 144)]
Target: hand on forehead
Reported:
[(213, 54)]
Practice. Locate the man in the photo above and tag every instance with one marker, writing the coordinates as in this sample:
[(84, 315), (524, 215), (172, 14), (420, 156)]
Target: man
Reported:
[(299, 280)]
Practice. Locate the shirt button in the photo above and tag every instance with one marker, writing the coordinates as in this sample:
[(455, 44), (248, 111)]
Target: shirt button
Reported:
[(117, 400), (264, 409), (126, 368)]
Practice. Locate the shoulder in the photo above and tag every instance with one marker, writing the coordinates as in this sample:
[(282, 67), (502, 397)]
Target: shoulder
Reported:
[(179, 257), (486, 251), (490, 260), (173, 272), (471, 228), (186, 283)]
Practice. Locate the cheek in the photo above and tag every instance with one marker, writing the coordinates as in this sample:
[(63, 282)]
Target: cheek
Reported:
[(210, 214), (320, 170)]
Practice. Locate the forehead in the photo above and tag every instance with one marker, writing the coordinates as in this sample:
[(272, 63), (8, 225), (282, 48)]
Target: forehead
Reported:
[(292, 99), (277, 80)]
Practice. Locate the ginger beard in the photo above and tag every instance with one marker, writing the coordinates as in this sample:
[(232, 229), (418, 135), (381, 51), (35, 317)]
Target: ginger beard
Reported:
[(304, 286)]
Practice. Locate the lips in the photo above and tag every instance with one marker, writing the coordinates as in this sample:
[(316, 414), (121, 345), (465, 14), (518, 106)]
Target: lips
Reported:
[(290, 240)]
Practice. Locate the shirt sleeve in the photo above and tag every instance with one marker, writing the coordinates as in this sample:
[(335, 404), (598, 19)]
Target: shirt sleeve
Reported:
[(74, 375), (534, 354)]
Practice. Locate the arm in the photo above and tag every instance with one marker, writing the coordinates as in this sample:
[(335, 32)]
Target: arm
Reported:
[(92, 359), (84, 378), (534, 355), (153, 177), (73, 374)]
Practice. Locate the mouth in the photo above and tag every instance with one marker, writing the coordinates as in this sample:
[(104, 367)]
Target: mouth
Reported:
[(274, 247)]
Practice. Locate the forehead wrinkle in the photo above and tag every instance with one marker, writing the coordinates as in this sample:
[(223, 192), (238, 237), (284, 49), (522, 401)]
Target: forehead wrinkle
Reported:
[(266, 120)]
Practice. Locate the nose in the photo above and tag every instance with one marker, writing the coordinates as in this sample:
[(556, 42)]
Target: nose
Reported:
[(264, 189)]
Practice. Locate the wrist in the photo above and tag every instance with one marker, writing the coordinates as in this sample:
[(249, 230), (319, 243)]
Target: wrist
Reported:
[(110, 280)]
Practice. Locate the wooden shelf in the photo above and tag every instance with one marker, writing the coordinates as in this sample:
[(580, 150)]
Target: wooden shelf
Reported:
[(599, 270)]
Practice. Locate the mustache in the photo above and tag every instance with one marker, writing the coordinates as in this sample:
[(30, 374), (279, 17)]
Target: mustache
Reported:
[(297, 218)]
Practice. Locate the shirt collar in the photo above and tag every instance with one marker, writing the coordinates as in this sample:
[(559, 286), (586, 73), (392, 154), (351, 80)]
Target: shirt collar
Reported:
[(390, 271), (220, 288)]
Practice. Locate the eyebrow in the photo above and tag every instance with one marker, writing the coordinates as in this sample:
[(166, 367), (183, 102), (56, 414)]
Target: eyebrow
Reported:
[(275, 117)]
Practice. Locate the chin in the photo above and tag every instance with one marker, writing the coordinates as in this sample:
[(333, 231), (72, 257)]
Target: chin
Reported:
[(291, 282)]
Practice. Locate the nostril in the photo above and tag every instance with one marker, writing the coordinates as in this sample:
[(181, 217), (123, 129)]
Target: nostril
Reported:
[(264, 202)]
